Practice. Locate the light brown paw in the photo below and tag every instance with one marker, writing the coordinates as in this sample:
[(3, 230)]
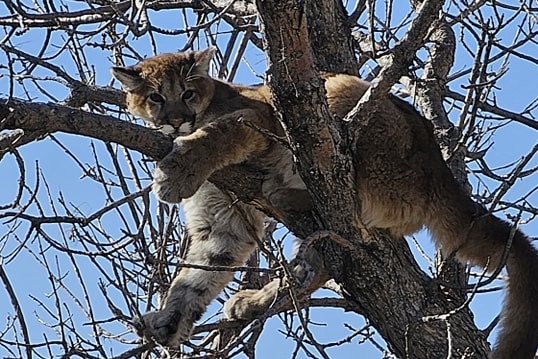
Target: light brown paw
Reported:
[(247, 304), (179, 174)]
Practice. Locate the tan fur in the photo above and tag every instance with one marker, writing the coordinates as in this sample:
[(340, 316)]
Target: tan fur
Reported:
[(402, 181)]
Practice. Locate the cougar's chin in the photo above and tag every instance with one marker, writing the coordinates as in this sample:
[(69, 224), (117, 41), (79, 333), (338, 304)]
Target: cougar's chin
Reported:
[(168, 129)]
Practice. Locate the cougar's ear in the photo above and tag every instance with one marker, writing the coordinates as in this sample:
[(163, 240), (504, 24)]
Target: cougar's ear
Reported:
[(128, 77), (203, 59)]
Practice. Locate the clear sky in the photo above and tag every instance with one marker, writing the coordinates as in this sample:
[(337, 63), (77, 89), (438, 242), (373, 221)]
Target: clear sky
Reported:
[(65, 178)]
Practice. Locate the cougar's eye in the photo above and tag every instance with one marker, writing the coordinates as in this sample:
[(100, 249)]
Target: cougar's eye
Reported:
[(155, 97), (187, 95)]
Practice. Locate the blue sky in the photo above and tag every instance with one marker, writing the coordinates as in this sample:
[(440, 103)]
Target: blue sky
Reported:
[(64, 178)]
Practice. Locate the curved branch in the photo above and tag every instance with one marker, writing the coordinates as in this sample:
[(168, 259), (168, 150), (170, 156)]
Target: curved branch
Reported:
[(18, 310)]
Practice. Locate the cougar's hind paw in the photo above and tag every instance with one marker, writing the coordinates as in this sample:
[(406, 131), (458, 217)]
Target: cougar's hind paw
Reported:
[(245, 305)]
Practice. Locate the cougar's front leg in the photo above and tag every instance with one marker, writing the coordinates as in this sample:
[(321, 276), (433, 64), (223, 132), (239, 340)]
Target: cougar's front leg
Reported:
[(225, 141), (222, 234)]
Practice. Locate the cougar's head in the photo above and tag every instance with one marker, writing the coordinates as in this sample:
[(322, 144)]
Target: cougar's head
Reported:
[(169, 90)]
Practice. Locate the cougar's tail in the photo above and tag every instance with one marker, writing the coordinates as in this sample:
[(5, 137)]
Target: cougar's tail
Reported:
[(519, 334), (462, 227)]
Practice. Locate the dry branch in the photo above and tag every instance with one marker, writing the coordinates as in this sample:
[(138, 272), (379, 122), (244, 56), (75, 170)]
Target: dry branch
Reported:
[(39, 119), (381, 279)]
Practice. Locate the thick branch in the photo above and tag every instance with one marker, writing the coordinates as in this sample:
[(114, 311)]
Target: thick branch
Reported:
[(330, 37), (39, 118)]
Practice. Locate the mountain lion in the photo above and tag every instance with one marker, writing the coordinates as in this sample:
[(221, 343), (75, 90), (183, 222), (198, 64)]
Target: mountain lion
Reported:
[(402, 181)]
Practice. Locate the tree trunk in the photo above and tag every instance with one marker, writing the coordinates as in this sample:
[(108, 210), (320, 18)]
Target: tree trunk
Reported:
[(396, 296)]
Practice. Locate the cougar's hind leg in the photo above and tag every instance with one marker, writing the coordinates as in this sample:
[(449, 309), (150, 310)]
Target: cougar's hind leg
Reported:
[(222, 234)]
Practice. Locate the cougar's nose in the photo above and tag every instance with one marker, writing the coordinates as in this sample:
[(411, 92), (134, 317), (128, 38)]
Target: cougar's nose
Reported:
[(181, 124)]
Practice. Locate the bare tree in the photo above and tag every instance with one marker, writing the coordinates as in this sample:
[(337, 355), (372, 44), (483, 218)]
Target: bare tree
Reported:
[(85, 247)]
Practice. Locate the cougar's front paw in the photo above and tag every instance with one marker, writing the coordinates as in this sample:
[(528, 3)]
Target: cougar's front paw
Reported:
[(178, 175), (171, 187), (164, 327), (245, 305)]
